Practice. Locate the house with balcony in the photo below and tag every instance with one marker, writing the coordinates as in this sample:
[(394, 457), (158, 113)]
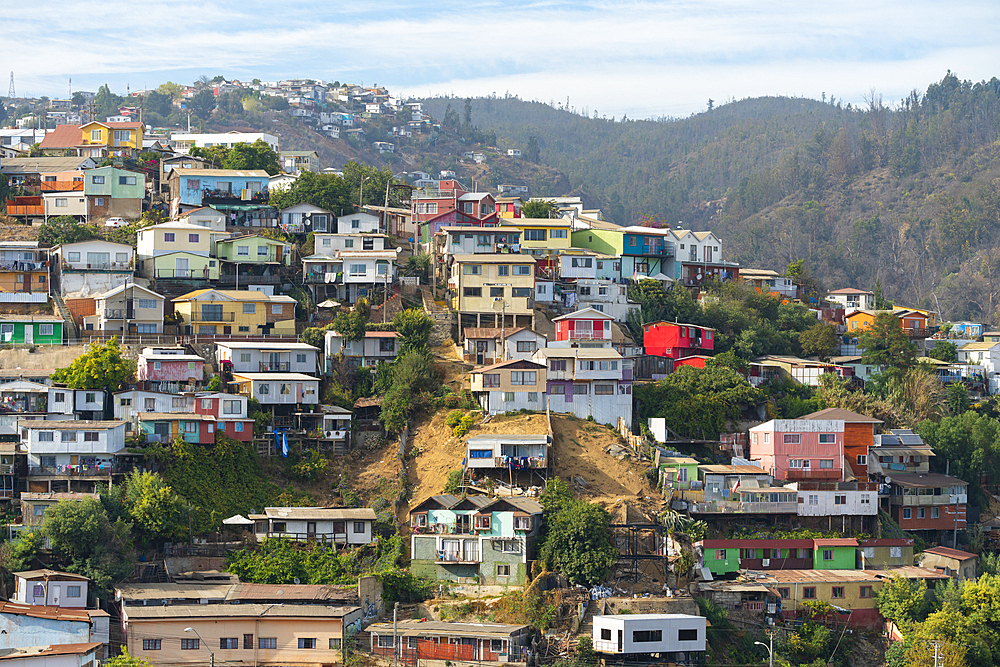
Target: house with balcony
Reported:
[(166, 427), (450, 241), (446, 641), (267, 357), (177, 251), (588, 382), (645, 251), (24, 272), (859, 436), (488, 287), (601, 294), (31, 330), (286, 390), (129, 403), (252, 259), (804, 371), (376, 347), (111, 191), (855, 502), (475, 538), (766, 281), (95, 139), (514, 453), (677, 340), (543, 236), (304, 218), (235, 312), (729, 556), (516, 384), (928, 501), (675, 472), (295, 162), (915, 323), (358, 222), (348, 275), (22, 399), (485, 346), (699, 259), (170, 369), (241, 194), (67, 456), (852, 299), (584, 328), (128, 307), (800, 450), (91, 267), (346, 526)]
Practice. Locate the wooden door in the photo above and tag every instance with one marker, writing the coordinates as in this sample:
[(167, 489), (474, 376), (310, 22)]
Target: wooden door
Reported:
[(74, 460), (311, 530), (26, 285)]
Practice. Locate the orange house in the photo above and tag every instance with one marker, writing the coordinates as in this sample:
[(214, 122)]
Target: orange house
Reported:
[(915, 323), (859, 435)]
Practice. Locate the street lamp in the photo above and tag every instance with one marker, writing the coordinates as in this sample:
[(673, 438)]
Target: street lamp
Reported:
[(770, 649), (202, 641)]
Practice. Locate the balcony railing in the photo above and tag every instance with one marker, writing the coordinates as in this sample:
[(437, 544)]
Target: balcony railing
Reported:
[(331, 538), (276, 367), (196, 274), (7, 468), (214, 317), (97, 266), (62, 186), (737, 507), (444, 556), (74, 471), (112, 314), (209, 195), (249, 280), (25, 210), (330, 277), (588, 335), (443, 529)]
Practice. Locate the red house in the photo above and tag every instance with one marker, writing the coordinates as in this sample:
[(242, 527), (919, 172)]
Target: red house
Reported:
[(586, 325), (169, 369), (696, 360), (676, 340), (230, 412)]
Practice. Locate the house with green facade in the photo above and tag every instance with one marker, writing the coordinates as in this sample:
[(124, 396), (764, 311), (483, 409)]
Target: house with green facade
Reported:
[(111, 191), (724, 557), (474, 539), (31, 330), (605, 241), (676, 472), (252, 258)]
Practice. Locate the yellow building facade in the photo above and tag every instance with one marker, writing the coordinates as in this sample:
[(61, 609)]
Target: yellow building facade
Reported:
[(543, 236), (114, 138), (228, 312), (492, 287)]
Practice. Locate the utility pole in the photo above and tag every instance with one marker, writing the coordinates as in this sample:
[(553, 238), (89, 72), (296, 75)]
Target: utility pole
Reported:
[(395, 642), (937, 645)]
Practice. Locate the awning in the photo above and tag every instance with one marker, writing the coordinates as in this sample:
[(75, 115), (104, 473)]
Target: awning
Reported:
[(329, 303), (240, 207), (903, 451), (238, 520)]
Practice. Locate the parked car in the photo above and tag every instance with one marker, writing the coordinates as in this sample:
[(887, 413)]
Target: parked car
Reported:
[(115, 222)]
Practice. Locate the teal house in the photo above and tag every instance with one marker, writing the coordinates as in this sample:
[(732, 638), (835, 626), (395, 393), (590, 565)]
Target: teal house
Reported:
[(474, 539), (111, 191), (31, 330)]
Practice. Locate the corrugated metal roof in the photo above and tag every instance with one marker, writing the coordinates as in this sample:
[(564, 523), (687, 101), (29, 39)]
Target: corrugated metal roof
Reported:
[(177, 591), (416, 628), (51, 650), (290, 592), (308, 513), (157, 612)]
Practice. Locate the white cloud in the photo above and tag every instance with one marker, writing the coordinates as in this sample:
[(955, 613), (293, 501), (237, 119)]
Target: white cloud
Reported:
[(640, 58)]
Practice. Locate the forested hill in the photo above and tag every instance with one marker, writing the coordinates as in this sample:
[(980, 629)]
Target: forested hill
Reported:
[(904, 195)]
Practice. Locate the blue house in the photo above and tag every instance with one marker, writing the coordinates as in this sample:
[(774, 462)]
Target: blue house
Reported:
[(647, 251), (226, 190)]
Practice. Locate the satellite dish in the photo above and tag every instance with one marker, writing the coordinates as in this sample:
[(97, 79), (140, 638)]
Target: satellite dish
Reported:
[(297, 580), (888, 480)]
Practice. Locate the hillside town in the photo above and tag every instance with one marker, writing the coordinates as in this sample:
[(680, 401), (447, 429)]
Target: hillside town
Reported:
[(258, 407)]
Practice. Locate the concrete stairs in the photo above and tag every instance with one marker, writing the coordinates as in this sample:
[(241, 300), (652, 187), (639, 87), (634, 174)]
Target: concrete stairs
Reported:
[(69, 324)]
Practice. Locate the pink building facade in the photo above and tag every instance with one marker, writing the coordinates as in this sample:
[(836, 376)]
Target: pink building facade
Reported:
[(800, 450), (583, 326)]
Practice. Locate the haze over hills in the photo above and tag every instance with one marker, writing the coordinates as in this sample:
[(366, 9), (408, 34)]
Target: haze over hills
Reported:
[(902, 196)]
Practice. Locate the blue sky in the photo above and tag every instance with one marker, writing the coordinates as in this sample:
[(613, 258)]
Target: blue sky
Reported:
[(639, 58)]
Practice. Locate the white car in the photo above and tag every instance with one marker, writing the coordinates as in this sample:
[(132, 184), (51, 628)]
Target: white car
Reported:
[(115, 222)]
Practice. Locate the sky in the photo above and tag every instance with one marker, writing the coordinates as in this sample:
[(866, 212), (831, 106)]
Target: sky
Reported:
[(643, 59)]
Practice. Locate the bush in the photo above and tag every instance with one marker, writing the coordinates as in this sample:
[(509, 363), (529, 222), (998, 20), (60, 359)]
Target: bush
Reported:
[(453, 418), (465, 424), (454, 484)]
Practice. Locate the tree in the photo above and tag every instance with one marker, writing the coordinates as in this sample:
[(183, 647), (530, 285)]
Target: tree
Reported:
[(78, 100), (87, 543), (258, 155), (944, 350), (539, 208), (819, 339), (101, 367), (413, 382), (106, 103), (172, 90), (350, 326), (578, 544), (153, 505), (968, 445), (886, 344), (124, 659), (414, 328), (203, 103), (902, 601), (327, 191), (532, 152)]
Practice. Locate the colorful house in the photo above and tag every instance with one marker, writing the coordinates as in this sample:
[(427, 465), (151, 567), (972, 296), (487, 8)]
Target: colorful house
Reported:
[(852, 299), (169, 369), (242, 194), (584, 328), (31, 330), (915, 323), (494, 286), (886, 552), (800, 450), (165, 427), (859, 436), (676, 340), (588, 382), (929, 501), (111, 191), (516, 384), (543, 236), (211, 312), (723, 557), (24, 272)]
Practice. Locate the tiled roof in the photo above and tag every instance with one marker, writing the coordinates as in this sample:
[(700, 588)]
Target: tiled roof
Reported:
[(64, 136)]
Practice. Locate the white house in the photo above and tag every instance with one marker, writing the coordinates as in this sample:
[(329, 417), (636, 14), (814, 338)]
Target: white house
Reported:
[(127, 306), (852, 299), (55, 445), (51, 589), (84, 654), (588, 382), (358, 223), (66, 203), (23, 400), (268, 357), (341, 525), (498, 450), (183, 142), (207, 217), (674, 636), (278, 388), (91, 267), (375, 347), (128, 404), (606, 296), (304, 218), (330, 244), (836, 499), (577, 266)]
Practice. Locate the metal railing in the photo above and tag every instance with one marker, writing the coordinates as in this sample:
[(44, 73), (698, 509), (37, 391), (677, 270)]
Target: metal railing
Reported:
[(61, 186), (276, 367), (97, 266), (196, 274), (443, 556), (249, 280), (212, 317), (589, 335), (75, 471)]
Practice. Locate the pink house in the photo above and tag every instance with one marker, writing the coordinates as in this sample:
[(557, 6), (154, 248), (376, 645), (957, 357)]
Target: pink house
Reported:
[(169, 368), (800, 449), (230, 412), (586, 325)]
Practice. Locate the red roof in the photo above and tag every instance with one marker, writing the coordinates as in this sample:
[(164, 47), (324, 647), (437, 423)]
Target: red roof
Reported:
[(948, 552), (52, 649), (64, 136)]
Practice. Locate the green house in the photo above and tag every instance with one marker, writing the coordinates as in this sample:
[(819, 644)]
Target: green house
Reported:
[(606, 241), (31, 330), (676, 472), (720, 559), (253, 249), (835, 554), (114, 183)]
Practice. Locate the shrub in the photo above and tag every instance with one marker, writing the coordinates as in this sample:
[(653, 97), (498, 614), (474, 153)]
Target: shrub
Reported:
[(465, 424), (454, 483), (453, 418)]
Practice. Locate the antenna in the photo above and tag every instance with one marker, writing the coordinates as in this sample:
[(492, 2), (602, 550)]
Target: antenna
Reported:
[(71, 87), (10, 93)]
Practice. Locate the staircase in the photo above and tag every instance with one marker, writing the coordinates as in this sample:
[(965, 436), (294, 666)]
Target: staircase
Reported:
[(69, 324), (154, 573)]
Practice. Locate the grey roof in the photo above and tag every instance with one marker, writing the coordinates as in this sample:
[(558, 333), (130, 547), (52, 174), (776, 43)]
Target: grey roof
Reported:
[(236, 610), (524, 504), (37, 165), (352, 513), (417, 628), (78, 424), (249, 592), (180, 591), (502, 438)]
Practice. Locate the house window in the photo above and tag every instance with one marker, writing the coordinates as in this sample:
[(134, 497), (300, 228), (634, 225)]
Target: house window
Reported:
[(151, 644), (247, 642), (277, 309), (62, 202), (262, 251), (840, 500), (97, 180), (46, 436), (921, 513), (335, 643), (359, 527), (472, 291), (267, 642), (508, 397), (90, 397), (178, 402), (278, 527), (168, 237), (532, 397), (687, 635), (97, 135), (244, 250), (285, 389), (604, 389), (557, 364), (193, 238), (827, 438), (720, 554), (238, 427), (862, 459), (503, 569), (526, 346), (809, 593), (606, 634), (521, 291), (534, 235), (647, 636), (866, 591), (826, 463), (145, 303), (472, 269), (156, 365), (906, 513), (866, 499), (249, 308), (264, 389), (190, 644), (791, 438), (385, 641), (229, 642), (45, 329), (785, 593), (522, 270), (126, 180), (581, 389), (827, 554), (503, 270), (813, 499), (935, 512), (557, 390), (837, 592)]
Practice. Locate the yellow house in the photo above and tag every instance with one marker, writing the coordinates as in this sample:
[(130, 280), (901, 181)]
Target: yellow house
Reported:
[(209, 312), (543, 236), (497, 286), (103, 139), (250, 634)]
